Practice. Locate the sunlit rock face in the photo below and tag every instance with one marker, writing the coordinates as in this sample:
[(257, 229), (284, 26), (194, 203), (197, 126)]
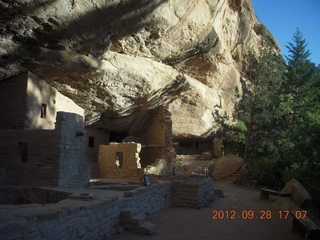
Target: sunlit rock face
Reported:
[(116, 57)]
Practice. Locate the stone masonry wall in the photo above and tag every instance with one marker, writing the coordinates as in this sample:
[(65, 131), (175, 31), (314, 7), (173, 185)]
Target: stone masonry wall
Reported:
[(93, 220), (92, 152), (40, 92), (192, 191), (22, 98), (45, 157), (131, 168), (158, 139), (40, 167), (73, 168)]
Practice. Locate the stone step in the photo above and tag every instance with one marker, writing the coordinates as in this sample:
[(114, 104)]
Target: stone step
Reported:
[(146, 228), (138, 219), (135, 223)]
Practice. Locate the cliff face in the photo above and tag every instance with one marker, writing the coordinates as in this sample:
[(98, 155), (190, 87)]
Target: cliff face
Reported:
[(115, 58)]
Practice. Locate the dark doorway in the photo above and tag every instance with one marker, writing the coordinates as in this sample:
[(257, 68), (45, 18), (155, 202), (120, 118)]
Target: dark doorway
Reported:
[(91, 142), (22, 152)]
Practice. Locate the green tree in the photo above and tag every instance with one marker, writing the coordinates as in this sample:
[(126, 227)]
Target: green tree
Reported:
[(302, 76), (260, 111), (303, 91), (279, 116)]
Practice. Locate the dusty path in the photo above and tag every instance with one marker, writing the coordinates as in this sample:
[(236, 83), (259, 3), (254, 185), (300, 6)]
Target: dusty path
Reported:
[(192, 224)]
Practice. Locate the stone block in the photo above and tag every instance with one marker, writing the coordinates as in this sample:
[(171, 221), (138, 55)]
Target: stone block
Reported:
[(146, 228)]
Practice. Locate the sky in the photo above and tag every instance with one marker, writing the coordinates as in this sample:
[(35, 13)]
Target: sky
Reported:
[(282, 17)]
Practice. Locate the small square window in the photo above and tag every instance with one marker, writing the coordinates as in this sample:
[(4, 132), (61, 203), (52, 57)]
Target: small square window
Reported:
[(119, 159), (91, 142), (43, 113)]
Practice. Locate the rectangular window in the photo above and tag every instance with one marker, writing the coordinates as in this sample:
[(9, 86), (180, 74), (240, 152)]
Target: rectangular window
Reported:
[(119, 159), (22, 152), (43, 113), (91, 142)]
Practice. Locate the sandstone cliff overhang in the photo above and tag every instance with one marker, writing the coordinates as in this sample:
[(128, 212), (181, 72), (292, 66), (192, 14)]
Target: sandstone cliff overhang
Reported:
[(115, 57)]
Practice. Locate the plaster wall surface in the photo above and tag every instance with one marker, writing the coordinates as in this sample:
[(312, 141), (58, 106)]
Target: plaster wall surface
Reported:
[(100, 137), (39, 93)]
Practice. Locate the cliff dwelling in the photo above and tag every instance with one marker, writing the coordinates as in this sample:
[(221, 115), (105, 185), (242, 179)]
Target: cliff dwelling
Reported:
[(122, 118), (48, 155), (42, 134)]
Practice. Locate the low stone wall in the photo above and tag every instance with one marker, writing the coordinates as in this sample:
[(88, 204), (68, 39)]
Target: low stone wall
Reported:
[(192, 191), (83, 220), (146, 200)]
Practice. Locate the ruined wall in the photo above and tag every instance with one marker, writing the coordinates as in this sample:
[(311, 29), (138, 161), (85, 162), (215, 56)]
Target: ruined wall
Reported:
[(13, 105), (158, 139), (38, 93), (100, 137), (193, 147), (44, 157), (73, 168), (85, 220), (127, 154), (218, 149)]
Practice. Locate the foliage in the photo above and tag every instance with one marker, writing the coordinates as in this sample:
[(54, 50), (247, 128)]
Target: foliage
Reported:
[(256, 112), (304, 120), (279, 117)]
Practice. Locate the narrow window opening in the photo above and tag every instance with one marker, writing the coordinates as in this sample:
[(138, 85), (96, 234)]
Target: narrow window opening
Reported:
[(91, 142), (119, 159), (197, 144), (43, 111), (22, 152)]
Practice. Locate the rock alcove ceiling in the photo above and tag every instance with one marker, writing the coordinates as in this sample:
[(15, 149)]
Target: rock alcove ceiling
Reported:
[(118, 58)]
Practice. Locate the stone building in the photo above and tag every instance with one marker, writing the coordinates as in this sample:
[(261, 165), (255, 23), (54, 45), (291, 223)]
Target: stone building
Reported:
[(41, 134), (94, 137), (150, 141)]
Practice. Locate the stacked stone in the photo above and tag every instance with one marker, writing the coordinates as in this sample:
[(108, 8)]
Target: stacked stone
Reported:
[(148, 199), (73, 168), (169, 148), (43, 152), (83, 219), (193, 191)]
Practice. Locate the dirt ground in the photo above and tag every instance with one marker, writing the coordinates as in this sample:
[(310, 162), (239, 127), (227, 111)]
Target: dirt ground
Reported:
[(197, 224)]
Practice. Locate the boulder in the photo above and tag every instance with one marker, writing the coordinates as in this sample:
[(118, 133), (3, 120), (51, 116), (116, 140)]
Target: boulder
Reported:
[(159, 167), (285, 204), (226, 166), (298, 192)]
